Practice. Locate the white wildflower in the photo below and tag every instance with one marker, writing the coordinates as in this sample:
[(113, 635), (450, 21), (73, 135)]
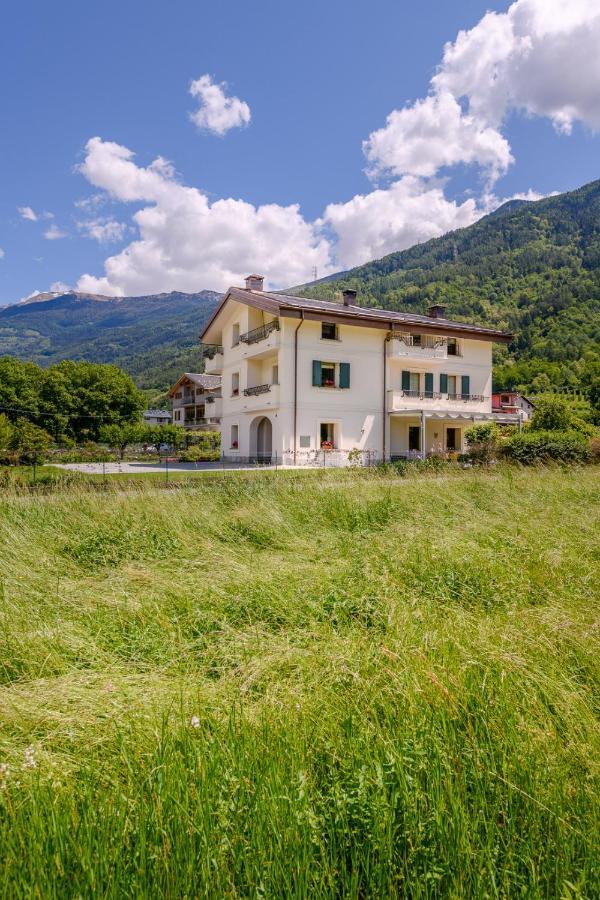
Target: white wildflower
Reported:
[(195, 723), (29, 762)]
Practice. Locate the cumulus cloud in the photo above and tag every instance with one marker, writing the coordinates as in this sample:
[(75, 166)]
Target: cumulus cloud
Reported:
[(186, 242), (103, 230), (539, 58), (406, 213), (54, 233), (217, 112), (2, 253)]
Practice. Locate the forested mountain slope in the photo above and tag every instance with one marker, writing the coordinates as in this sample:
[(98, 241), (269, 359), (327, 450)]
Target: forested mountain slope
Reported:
[(154, 338), (532, 268)]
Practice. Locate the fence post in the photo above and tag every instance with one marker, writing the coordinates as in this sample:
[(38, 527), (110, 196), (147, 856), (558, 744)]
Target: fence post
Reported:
[(167, 469)]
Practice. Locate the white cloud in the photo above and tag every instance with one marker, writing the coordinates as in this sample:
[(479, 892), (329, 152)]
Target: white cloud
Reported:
[(103, 230), (432, 133), (408, 212), (26, 212), (54, 233), (187, 243), (59, 287), (2, 253), (539, 57), (218, 112)]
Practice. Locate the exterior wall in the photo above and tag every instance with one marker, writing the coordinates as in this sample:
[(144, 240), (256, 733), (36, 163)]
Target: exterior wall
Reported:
[(436, 434), (357, 412)]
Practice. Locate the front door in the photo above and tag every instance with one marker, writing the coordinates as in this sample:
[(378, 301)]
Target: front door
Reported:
[(414, 437), (451, 439), (264, 438)]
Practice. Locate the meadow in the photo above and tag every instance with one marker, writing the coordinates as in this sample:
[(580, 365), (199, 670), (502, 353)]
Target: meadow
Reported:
[(333, 684)]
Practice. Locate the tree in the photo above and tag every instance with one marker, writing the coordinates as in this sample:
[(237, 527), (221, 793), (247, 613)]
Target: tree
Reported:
[(6, 431), (173, 435), (551, 413), (29, 442), (119, 437)]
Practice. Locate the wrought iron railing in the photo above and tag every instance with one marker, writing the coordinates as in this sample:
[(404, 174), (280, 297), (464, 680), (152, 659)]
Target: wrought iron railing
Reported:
[(209, 351), (422, 395), (256, 390), (476, 398), (259, 334)]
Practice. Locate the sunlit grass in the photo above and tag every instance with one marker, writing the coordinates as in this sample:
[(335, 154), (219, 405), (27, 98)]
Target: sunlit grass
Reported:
[(337, 684)]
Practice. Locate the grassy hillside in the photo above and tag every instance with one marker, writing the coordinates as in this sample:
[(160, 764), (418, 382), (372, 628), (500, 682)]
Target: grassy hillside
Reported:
[(530, 268), (323, 684), (153, 338)]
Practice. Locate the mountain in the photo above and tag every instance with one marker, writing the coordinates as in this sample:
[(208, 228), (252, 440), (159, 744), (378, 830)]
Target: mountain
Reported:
[(154, 337), (532, 268)]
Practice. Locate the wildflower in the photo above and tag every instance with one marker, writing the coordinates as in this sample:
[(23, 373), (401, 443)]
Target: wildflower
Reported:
[(195, 723), (4, 770), (30, 762)]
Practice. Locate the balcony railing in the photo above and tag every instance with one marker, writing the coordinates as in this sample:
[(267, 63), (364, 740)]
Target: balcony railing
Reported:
[(259, 334), (427, 345), (422, 395), (256, 390), (475, 398)]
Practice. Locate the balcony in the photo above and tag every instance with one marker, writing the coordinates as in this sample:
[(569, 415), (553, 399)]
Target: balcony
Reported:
[(259, 342), (422, 346), (259, 334), (433, 400), (212, 354), (260, 396)]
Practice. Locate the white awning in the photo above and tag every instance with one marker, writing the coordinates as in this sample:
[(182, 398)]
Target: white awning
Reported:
[(443, 414)]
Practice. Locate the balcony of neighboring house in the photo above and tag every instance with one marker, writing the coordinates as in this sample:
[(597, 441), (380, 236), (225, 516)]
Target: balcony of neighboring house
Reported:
[(212, 355), (422, 346), (261, 341), (213, 406)]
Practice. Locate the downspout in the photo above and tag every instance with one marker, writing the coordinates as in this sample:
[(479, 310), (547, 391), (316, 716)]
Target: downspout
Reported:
[(383, 447), (298, 326)]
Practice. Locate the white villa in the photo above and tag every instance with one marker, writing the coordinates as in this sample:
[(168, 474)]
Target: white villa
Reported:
[(300, 376)]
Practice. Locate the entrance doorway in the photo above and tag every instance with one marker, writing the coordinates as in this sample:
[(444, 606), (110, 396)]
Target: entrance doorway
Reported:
[(414, 437), (452, 439), (264, 437)]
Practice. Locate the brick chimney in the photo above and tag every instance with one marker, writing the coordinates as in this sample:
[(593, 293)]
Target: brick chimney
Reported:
[(437, 311), (349, 297), (255, 282)]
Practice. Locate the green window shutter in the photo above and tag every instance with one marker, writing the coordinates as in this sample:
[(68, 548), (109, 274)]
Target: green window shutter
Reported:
[(429, 382), (443, 383), (316, 373), (344, 375), (465, 385), (406, 381)]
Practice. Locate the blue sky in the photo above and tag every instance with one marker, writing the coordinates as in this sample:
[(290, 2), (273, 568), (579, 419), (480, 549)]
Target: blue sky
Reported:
[(514, 109)]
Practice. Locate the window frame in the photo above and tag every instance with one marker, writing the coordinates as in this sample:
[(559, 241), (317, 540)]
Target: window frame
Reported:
[(336, 331), (234, 444)]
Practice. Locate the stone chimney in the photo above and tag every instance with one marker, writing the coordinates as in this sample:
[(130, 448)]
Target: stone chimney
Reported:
[(349, 297), (437, 311), (255, 282)]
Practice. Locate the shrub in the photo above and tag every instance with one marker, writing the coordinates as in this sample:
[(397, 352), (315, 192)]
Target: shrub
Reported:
[(552, 413), (541, 446), (199, 454), (482, 441)]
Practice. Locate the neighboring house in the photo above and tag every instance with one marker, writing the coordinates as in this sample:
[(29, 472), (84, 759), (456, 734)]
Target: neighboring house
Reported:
[(197, 401), (511, 403), (157, 417), (304, 375)]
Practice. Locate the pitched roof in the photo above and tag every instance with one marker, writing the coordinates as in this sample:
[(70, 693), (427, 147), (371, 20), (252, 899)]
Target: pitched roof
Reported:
[(296, 307), (208, 382)]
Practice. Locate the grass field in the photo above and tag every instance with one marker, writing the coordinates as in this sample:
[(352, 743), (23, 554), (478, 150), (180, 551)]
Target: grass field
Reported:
[(340, 685)]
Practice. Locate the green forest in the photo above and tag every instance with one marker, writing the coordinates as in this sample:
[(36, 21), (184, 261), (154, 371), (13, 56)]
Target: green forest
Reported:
[(532, 268)]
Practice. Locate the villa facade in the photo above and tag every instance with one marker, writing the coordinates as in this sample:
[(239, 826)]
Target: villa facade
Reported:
[(300, 376), (196, 400)]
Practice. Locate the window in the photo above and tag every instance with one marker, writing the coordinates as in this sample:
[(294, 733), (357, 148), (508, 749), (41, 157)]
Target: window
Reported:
[(235, 434), (178, 395), (235, 384), (329, 331), (327, 436), (327, 374), (177, 415), (453, 347), (330, 375), (451, 385), (416, 340), (505, 398), (411, 382), (275, 375), (235, 334)]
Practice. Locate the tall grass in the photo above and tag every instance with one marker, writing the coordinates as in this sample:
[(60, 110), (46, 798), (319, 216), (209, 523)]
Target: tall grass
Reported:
[(335, 685)]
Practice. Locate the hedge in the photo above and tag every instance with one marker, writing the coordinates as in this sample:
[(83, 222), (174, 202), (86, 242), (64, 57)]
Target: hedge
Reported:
[(541, 446)]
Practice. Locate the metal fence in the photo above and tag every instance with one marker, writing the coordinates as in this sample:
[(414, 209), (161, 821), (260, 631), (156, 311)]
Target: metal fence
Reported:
[(314, 459)]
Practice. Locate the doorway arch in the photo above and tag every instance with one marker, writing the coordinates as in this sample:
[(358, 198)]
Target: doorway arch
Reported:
[(261, 438)]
